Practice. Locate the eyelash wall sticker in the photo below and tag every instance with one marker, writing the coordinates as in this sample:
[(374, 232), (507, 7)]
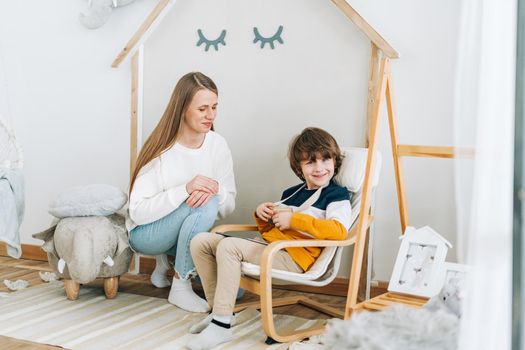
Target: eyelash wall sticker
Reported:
[(270, 40), (215, 43)]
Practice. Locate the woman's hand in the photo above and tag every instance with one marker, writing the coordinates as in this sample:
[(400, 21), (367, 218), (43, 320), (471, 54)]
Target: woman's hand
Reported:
[(282, 219), (198, 198), (202, 183), (265, 211)]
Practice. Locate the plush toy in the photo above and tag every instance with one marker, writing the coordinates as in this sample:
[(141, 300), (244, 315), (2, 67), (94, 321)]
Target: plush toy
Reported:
[(449, 299), (99, 12), (88, 238)]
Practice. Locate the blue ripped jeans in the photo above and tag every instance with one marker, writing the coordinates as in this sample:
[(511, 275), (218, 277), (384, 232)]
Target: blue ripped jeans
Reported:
[(172, 234)]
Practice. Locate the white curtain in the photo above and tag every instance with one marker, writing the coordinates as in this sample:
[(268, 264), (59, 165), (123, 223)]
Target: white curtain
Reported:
[(11, 155), (4, 97), (484, 121)]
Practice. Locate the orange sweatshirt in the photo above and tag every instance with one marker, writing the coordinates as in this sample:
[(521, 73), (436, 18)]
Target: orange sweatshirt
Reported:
[(318, 228)]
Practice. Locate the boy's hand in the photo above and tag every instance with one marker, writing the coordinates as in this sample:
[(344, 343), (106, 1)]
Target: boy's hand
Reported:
[(265, 211), (202, 183), (282, 219)]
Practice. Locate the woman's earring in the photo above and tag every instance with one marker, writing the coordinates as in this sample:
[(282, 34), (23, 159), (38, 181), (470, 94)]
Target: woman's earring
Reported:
[(270, 40), (215, 43)]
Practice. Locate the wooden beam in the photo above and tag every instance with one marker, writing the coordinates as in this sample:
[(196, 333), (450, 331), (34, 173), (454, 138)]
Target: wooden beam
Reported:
[(139, 34), (364, 210), (373, 74), (134, 111), (398, 167), (434, 151), (366, 28)]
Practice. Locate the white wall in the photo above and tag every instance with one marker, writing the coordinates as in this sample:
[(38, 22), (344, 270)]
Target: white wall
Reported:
[(71, 110)]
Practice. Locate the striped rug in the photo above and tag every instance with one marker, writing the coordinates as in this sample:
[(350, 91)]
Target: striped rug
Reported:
[(43, 314)]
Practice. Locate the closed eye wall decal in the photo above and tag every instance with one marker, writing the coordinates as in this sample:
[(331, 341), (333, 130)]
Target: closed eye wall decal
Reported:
[(215, 43), (269, 40)]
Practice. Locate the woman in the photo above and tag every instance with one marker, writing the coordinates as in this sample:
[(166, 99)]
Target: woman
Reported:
[(183, 179)]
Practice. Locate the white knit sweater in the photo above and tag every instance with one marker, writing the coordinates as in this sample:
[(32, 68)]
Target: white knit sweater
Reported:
[(160, 186)]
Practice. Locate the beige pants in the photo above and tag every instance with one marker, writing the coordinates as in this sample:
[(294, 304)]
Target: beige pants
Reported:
[(218, 262)]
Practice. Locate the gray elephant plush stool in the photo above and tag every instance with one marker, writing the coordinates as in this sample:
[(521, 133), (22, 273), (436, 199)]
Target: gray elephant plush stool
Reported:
[(88, 242)]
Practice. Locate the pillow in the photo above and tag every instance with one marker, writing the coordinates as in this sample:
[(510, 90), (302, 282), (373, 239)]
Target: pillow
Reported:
[(352, 172), (89, 200)]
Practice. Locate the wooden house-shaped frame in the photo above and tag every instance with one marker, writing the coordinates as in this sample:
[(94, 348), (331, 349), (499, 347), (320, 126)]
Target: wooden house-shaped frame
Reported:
[(379, 86)]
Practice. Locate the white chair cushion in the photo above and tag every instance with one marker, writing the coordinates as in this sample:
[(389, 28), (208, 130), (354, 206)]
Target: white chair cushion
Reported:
[(352, 172)]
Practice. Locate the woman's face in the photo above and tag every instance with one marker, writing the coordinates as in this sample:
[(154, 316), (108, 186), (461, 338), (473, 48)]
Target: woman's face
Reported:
[(201, 112)]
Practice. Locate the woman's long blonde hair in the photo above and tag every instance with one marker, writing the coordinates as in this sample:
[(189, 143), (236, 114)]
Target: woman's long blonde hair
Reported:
[(165, 133)]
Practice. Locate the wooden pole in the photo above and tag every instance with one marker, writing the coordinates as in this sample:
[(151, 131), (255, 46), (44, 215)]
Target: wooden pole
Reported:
[(364, 210), (139, 34), (398, 166), (135, 126), (134, 110), (366, 28), (372, 83)]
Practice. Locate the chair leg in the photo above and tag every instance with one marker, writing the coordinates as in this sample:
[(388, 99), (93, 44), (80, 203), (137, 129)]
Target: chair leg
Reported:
[(267, 306), (111, 287), (72, 288)]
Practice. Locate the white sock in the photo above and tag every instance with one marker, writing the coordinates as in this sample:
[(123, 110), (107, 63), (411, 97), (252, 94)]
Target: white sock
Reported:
[(223, 319), (202, 324), (183, 296), (158, 277), (210, 337)]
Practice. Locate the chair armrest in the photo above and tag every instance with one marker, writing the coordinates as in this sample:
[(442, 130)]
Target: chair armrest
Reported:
[(233, 228), (274, 247)]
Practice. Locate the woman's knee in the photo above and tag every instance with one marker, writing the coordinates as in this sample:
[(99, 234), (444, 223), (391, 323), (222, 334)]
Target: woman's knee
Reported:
[(137, 244), (211, 208), (201, 219)]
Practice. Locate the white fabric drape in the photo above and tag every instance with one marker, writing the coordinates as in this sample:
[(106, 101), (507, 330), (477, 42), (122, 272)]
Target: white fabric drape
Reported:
[(484, 120), (10, 151)]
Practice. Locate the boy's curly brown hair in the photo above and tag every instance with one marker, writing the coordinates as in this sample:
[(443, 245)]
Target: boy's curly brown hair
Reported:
[(310, 143)]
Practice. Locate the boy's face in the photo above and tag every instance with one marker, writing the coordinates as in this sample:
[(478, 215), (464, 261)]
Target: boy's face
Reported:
[(317, 173)]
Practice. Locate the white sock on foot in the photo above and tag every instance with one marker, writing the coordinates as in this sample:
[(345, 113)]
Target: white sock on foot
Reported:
[(183, 296), (158, 277), (210, 337), (199, 326)]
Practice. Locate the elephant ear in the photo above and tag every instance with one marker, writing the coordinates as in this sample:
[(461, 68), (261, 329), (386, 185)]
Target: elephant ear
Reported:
[(47, 237), (119, 226), (122, 243)]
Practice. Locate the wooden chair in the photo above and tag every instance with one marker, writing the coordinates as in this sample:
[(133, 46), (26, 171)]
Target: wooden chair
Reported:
[(259, 279)]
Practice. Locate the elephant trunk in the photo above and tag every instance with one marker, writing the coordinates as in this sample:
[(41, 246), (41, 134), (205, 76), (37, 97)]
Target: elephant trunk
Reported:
[(83, 268), (85, 244)]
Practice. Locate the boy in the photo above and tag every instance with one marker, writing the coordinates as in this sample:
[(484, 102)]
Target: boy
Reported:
[(317, 209)]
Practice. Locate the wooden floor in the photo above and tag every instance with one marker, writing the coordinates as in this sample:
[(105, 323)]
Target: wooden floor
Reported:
[(137, 284)]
